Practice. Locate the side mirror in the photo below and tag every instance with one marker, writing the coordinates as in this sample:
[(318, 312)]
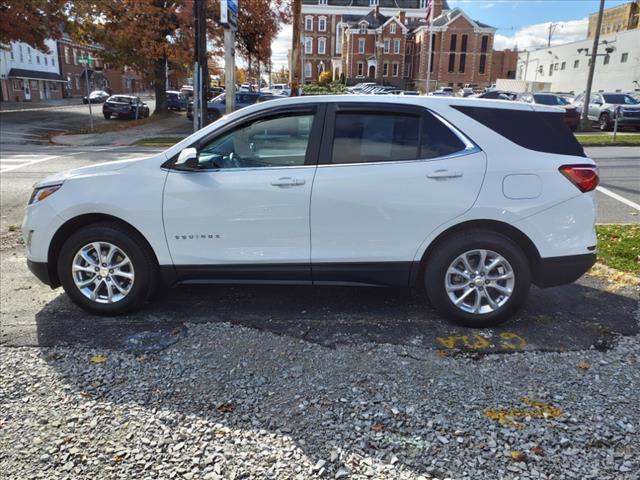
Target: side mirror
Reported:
[(188, 159)]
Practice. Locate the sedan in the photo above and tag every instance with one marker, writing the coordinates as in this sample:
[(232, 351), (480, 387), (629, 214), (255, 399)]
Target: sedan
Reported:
[(97, 96), (125, 106), (571, 113)]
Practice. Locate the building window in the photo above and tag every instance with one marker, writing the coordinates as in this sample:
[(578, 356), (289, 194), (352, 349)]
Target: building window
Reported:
[(53, 61), (563, 65), (396, 45), (75, 56), (308, 45), (385, 69), (307, 70), (556, 66), (374, 3), (17, 85), (338, 38), (387, 45), (361, 45), (67, 58), (606, 59), (77, 82), (452, 62), (463, 55), (360, 69), (394, 69), (363, 27), (551, 69), (322, 2), (322, 24), (46, 60), (576, 64), (29, 54), (423, 3), (624, 58), (11, 53), (483, 55), (308, 24), (322, 46), (21, 54), (320, 68), (454, 41), (392, 28), (38, 59)]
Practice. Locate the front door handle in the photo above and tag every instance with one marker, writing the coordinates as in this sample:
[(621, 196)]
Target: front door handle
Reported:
[(288, 182), (444, 174)]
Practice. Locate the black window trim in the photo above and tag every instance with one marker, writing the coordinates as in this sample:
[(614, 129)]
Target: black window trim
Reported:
[(326, 148), (313, 147)]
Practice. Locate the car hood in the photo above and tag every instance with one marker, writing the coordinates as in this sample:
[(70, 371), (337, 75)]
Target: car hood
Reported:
[(90, 171)]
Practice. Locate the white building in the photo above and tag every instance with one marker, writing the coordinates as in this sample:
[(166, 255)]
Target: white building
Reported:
[(27, 74), (566, 68)]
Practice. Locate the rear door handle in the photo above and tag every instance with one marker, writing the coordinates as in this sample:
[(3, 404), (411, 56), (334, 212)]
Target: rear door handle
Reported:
[(444, 174), (288, 182)]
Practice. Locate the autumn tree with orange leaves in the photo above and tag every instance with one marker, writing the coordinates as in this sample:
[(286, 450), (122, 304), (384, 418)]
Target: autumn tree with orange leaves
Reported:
[(31, 21)]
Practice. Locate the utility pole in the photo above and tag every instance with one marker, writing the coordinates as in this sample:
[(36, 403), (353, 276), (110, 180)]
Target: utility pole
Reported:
[(229, 20), (552, 28), (585, 123), (296, 61), (430, 47)]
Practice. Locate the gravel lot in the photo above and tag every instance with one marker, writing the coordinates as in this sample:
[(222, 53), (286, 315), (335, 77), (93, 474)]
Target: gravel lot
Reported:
[(226, 401)]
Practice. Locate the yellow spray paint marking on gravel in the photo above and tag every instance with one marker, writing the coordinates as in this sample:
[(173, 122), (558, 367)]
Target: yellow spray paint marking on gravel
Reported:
[(509, 417), (508, 340)]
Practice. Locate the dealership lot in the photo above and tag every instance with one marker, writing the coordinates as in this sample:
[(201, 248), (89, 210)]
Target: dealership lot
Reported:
[(298, 382)]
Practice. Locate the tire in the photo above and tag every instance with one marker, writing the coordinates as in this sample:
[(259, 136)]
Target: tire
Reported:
[(447, 253), (605, 122), (213, 116), (139, 287), (107, 116)]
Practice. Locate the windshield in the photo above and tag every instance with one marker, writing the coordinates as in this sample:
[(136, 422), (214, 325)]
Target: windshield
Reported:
[(620, 99), (550, 100)]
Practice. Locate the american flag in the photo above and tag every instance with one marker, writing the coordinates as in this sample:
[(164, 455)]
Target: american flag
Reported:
[(429, 12)]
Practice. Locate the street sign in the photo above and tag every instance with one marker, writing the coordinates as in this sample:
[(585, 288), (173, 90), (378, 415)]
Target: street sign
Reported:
[(88, 61), (229, 13)]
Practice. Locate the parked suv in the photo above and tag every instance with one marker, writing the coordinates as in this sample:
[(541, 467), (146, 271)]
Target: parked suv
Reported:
[(571, 114), (125, 106), (472, 201), (603, 108), (216, 107)]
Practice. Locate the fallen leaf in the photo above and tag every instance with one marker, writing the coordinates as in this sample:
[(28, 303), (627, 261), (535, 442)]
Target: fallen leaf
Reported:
[(482, 445), (226, 407), (442, 353), (98, 359), (538, 451), (52, 356), (378, 427), (584, 365), (518, 456)]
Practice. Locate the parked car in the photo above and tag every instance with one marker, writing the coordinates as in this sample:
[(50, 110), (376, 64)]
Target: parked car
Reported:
[(176, 100), (465, 92), (443, 92), (410, 92), (125, 106), (97, 96), (498, 95), (390, 191), (216, 108), (571, 114), (187, 91), (358, 87), (603, 107), (280, 89)]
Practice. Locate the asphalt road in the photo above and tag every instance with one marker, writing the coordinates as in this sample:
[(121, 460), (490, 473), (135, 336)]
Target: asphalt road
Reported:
[(590, 313), (33, 126)]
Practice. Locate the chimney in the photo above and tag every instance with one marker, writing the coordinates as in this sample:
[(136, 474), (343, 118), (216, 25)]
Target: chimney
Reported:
[(403, 20), (376, 11)]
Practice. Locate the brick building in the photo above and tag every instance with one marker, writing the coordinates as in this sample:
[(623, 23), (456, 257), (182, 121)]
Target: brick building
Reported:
[(387, 41), (101, 75), (616, 19), (504, 64)]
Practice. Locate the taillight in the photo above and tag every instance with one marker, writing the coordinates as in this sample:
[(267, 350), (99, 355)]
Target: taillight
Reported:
[(585, 177)]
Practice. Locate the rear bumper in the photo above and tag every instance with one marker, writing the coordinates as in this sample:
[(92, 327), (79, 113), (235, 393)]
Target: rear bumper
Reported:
[(553, 271), (41, 271)]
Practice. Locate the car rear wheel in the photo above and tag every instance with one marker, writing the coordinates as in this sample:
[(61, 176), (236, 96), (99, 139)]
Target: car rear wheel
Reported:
[(106, 269), (477, 278), (605, 122)]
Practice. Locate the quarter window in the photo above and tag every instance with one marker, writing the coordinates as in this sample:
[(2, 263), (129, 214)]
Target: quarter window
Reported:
[(269, 142)]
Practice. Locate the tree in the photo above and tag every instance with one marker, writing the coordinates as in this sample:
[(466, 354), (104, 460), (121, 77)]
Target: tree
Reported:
[(324, 78), (281, 76), (31, 21), (146, 35)]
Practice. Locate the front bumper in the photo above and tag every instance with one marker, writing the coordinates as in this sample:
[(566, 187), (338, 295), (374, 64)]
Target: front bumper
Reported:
[(554, 271), (628, 121)]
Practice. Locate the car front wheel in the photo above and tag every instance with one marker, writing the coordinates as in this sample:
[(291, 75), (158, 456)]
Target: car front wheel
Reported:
[(605, 122), (107, 116), (477, 278), (106, 269)]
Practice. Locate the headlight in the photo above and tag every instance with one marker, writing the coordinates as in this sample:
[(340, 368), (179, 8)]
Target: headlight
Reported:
[(42, 193)]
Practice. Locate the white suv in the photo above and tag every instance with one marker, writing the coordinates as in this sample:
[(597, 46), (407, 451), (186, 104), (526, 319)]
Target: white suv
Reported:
[(471, 199)]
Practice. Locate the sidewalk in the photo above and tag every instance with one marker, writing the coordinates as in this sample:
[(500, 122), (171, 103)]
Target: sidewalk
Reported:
[(170, 126)]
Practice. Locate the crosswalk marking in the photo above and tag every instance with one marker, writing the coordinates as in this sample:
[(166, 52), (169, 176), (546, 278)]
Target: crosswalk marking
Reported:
[(12, 162)]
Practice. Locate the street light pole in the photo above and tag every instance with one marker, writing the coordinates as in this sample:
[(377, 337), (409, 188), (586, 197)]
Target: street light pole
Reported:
[(585, 123)]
